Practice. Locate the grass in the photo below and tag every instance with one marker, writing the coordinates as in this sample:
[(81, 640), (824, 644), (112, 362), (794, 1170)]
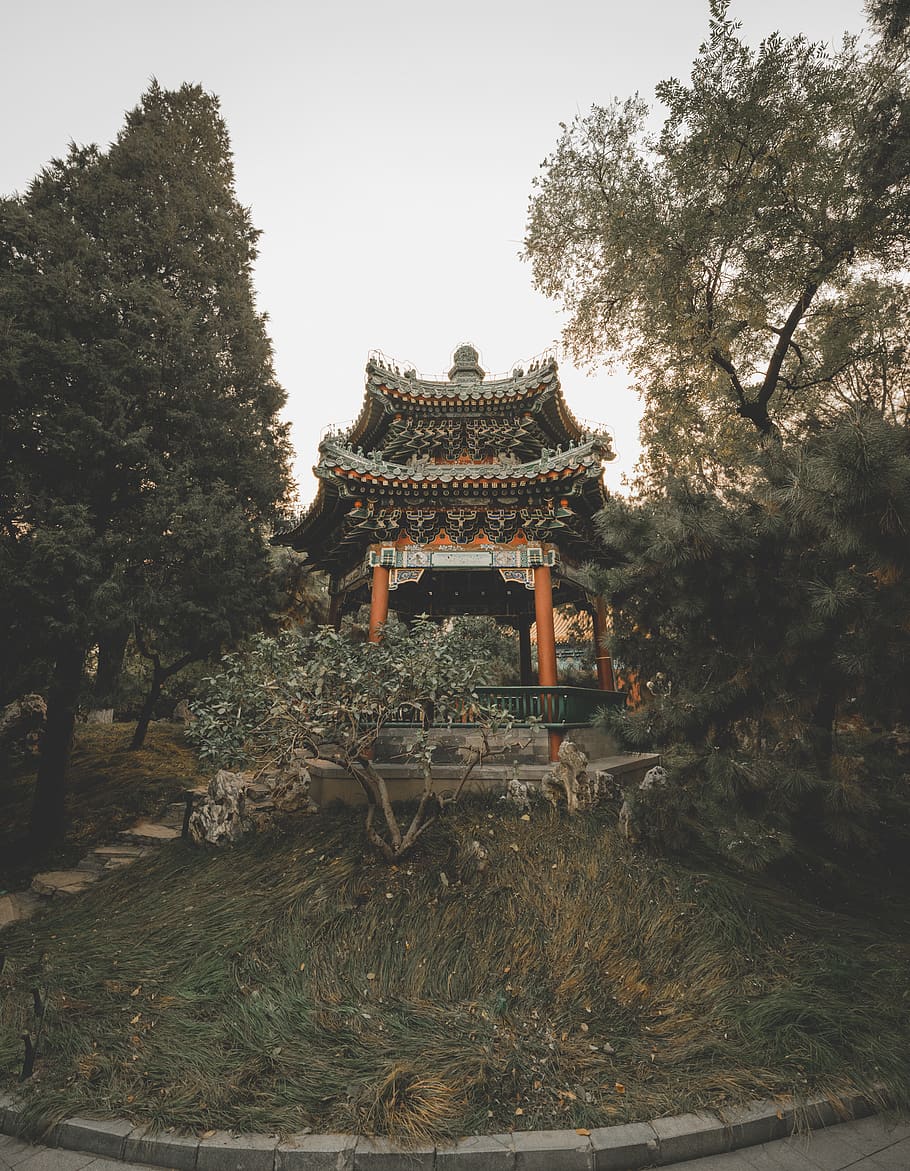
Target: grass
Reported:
[(292, 981), (108, 788)]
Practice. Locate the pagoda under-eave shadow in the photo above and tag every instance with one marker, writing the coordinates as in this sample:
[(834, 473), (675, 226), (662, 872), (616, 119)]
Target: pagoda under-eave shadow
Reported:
[(461, 496)]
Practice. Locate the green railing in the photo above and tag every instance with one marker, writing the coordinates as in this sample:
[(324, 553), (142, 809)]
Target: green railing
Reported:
[(559, 707)]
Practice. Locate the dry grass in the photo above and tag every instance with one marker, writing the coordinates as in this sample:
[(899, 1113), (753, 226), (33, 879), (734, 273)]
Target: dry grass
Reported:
[(288, 982)]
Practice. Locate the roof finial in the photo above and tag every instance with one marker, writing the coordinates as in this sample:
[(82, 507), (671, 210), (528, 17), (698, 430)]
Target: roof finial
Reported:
[(466, 365)]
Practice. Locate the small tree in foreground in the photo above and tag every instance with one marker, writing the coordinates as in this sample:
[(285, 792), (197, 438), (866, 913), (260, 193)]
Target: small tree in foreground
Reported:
[(332, 695)]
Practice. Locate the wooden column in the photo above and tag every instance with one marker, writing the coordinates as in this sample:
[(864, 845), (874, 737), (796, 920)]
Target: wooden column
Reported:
[(379, 601), (524, 652), (335, 606), (546, 641), (605, 679)]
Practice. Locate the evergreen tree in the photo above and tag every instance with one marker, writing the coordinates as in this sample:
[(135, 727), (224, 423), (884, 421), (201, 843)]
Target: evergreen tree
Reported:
[(137, 380), (754, 618)]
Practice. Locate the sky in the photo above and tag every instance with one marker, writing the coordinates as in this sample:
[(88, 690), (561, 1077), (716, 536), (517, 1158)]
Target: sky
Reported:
[(386, 149)]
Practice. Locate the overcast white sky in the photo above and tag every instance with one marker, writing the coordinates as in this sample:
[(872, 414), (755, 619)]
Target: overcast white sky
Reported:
[(386, 148)]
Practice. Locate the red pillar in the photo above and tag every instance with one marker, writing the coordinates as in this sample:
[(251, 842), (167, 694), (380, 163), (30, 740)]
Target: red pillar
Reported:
[(546, 641), (379, 601), (605, 680)]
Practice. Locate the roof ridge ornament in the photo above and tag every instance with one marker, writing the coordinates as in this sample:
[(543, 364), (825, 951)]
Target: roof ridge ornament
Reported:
[(466, 365)]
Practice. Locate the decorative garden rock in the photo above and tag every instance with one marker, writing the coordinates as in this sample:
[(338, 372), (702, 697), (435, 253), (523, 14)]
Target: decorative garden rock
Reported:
[(291, 792), (654, 778), (23, 720), (239, 803), (567, 776), (220, 816), (597, 789), (518, 793)]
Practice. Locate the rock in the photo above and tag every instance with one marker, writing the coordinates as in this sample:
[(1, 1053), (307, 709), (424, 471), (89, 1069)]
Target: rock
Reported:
[(597, 789), (291, 792), (219, 817), (238, 803), (518, 793), (656, 776), (23, 720), (567, 776)]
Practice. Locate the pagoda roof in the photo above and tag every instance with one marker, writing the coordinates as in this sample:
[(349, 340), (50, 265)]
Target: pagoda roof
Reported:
[(392, 390), (567, 458), (342, 471)]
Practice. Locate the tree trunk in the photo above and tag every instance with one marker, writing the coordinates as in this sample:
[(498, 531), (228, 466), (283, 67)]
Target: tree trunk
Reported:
[(111, 649), (821, 731), (48, 819), (148, 708)]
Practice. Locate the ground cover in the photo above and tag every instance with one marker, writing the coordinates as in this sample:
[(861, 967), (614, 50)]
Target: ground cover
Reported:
[(108, 787), (565, 979)]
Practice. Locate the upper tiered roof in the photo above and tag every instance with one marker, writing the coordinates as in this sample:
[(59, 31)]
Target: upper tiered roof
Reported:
[(460, 442)]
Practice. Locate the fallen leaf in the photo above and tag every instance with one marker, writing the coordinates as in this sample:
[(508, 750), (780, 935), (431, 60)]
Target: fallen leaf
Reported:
[(136, 991), (135, 1020), (619, 1088), (519, 1111), (526, 817), (302, 966), (371, 975), (208, 1134), (582, 1130)]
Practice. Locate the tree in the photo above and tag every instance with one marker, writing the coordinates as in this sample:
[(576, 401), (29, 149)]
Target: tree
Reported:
[(754, 617), (747, 262), (742, 259), (333, 693), (136, 370)]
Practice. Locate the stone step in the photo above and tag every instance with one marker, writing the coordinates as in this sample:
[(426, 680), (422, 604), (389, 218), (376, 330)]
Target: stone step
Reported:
[(16, 907), (63, 882), (90, 865), (150, 831), (119, 850)]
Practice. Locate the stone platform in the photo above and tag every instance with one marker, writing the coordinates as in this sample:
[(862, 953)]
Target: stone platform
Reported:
[(330, 782)]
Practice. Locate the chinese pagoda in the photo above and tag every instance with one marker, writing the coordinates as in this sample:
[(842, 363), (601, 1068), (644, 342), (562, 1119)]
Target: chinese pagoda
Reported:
[(461, 496)]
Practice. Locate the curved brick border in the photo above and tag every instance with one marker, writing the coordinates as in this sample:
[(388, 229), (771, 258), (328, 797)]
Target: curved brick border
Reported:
[(612, 1148)]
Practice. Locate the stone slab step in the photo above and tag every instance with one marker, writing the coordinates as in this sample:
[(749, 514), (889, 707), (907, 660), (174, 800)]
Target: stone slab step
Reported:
[(120, 850), (150, 831), (62, 882), (15, 908), (90, 865)]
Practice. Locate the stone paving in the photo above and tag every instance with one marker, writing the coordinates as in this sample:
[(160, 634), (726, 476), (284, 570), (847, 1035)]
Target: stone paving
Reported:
[(868, 1144)]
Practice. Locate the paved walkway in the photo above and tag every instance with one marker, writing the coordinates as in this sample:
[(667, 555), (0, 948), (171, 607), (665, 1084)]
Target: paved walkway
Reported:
[(870, 1144)]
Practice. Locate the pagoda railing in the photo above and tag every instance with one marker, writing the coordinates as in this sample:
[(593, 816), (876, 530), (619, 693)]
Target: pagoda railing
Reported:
[(554, 707), (551, 707)]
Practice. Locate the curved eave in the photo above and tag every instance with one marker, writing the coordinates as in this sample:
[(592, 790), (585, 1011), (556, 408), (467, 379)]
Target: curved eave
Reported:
[(340, 461), (314, 529)]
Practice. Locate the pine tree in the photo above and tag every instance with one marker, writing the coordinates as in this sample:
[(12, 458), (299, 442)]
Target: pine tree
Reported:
[(136, 371)]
